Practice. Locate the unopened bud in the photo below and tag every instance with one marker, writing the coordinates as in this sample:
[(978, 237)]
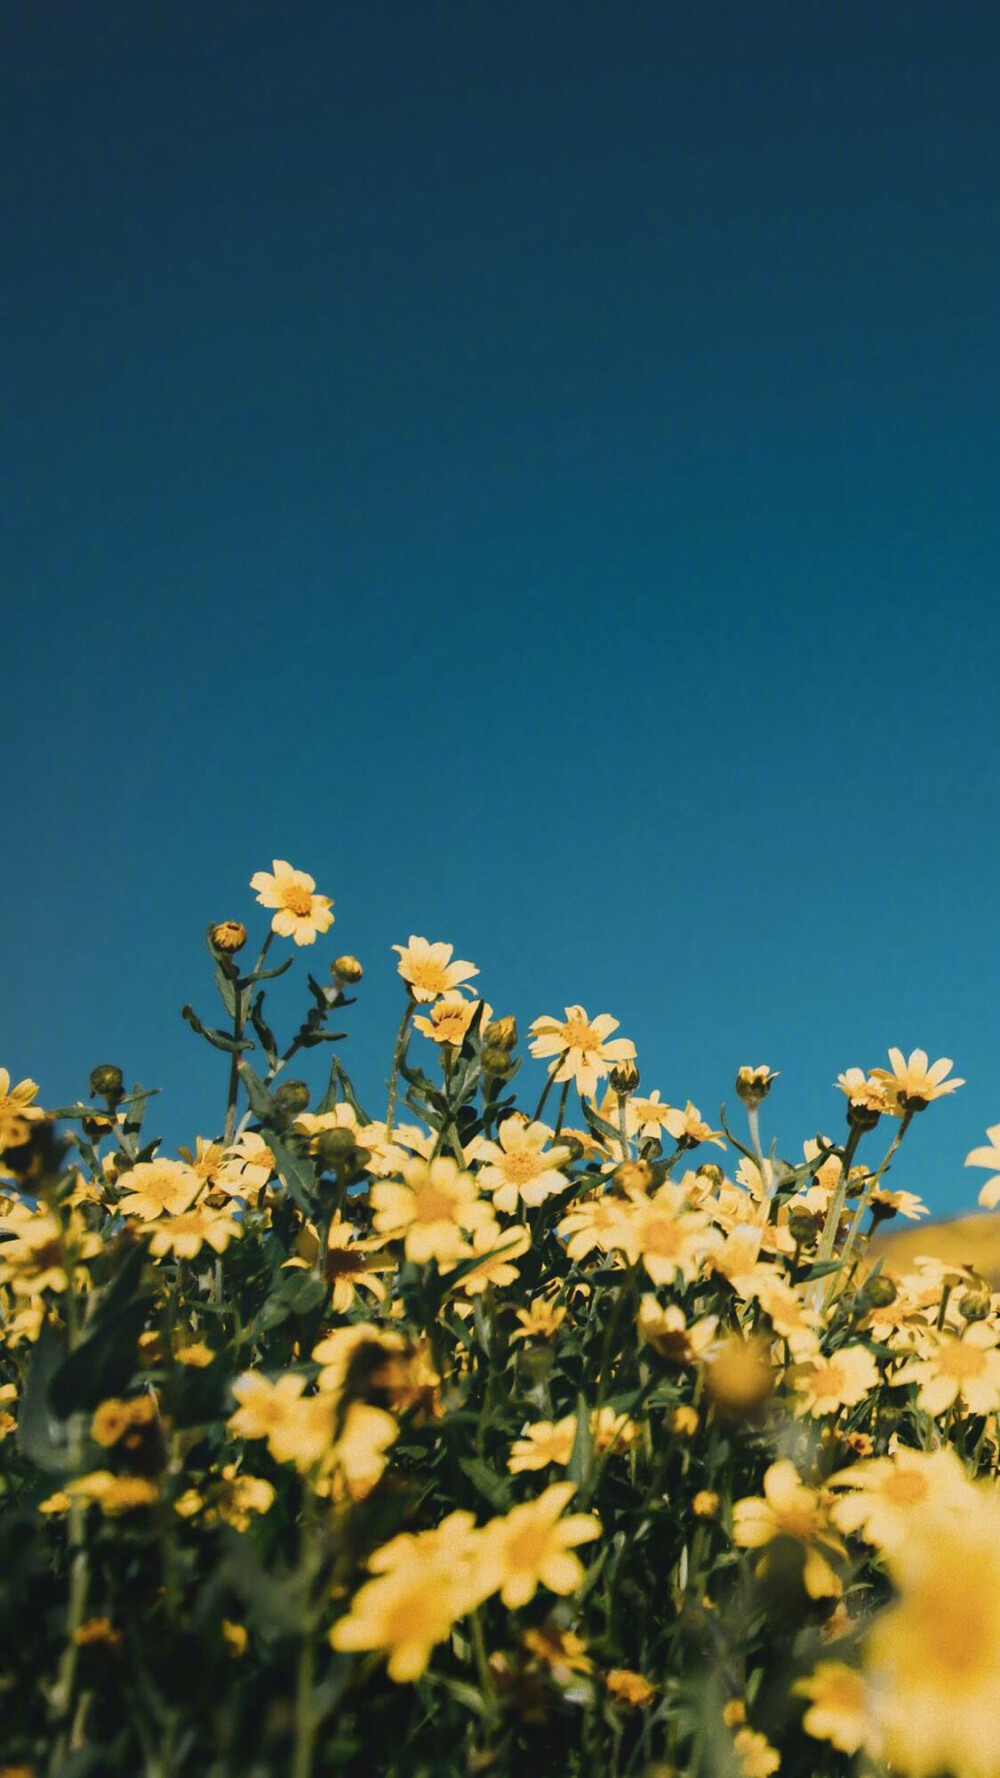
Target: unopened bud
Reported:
[(502, 1033), (685, 1421), (496, 1061), (862, 1117), (333, 1147), (754, 1084), (107, 1080), (346, 969), (229, 936), (624, 1078), (291, 1097), (804, 1226), (877, 1293), (705, 1504), (975, 1303)]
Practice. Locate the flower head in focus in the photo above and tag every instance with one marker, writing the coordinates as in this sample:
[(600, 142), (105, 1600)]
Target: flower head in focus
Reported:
[(427, 969), (300, 913)]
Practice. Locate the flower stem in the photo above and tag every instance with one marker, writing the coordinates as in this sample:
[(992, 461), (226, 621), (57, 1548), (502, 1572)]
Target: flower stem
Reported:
[(397, 1057)]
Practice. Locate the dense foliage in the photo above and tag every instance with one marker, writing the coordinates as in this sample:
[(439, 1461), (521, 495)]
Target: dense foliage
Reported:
[(464, 1438)]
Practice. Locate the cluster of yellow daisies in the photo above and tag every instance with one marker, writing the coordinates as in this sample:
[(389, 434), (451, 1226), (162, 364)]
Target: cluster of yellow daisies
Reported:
[(603, 1423)]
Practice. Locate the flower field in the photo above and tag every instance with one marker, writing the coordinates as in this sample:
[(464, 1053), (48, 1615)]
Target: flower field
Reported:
[(526, 1419)]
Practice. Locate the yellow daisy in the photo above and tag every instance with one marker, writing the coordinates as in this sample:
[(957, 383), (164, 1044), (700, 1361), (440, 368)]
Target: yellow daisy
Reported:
[(301, 913)]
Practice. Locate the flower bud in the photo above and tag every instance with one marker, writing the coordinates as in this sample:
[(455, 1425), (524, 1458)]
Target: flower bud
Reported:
[(705, 1504), (804, 1226), (291, 1097), (685, 1421), (347, 970), (502, 1033), (877, 1293), (496, 1061), (228, 935), (975, 1303), (335, 1147), (754, 1084), (107, 1080), (623, 1079)]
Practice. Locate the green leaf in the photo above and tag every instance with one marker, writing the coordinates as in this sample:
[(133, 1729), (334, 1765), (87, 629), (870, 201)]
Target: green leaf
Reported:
[(228, 992), (104, 1362), (263, 1029), (220, 1040), (43, 1437), (581, 1461), (261, 1102), (296, 1172), (486, 1481)]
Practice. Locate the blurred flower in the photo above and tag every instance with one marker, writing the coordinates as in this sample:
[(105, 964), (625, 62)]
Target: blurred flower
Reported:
[(544, 1443), (541, 1320), (790, 1509), (884, 1497), (185, 1235), (626, 1687), (689, 1127), (756, 1757), (932, 1659), (532, 1546), (17, 1113), (301, 913), (825, 1385), (963, 1370), (422, 1585)]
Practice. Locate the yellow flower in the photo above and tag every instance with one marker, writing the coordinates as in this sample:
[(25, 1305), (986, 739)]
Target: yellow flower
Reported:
[(185, 1235), (790, 1509), (989, 1195), (602, 1222), (39, 1253), (434, 1210), (520, 1167), (249, 1166), (532, 1546), (561, 1651), (386, 1157), (196, 1356), (17, 1113), (581, 1047), (544, 1443), (739, 1375), (296, 1430), (427, 969), (885, 1496), (839, 1710), (358, 1459), (647, 1118), (349, 1264), (688, 1126), (499, 1247), (114, 1418), (667, 1331), (451, 1017), (153, 1187), (828, 1384), (301, 913), (912, 1084), (932, 1659), (964, 1371), (114, 1494), (421, 1587), (626, 1687), (863, 1091), (541, 1320), (344, 1349), (613, 1432), (757, 1758), (788, 1314), (235, 1636), (670, 1240), (209, 1161)]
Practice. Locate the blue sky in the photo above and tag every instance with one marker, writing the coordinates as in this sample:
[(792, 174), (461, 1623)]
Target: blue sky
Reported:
[(534, 468)]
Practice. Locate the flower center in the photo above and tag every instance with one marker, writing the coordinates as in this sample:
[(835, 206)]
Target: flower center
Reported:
[(528, 1548), (429, 975), (961, 1360), (578, 1035), (522, 1166), (297, 900), (431, 1205)]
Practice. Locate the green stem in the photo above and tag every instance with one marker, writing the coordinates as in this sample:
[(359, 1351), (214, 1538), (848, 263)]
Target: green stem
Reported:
[(546, 1090), (397, 1057)]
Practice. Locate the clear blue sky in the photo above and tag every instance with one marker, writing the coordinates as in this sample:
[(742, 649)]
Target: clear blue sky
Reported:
[(535, 468)]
